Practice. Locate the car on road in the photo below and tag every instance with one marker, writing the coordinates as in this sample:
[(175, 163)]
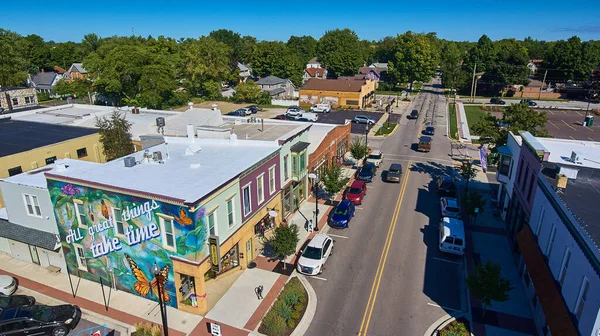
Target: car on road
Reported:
[(429, 130), (367, 172), (528, 102), (363, 119), (394, 173), (452, 236), (40, 320), (424, 144), (8, 285), (342, 214), (414, 114), (315, 254), (449, 207), (356, 192), (445, 186), (375, 157), (15, 301), (498, 101), (324, 108)]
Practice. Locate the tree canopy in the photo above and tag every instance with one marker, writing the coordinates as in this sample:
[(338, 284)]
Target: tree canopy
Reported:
[(412, 59), (115, 135), (341, 52)]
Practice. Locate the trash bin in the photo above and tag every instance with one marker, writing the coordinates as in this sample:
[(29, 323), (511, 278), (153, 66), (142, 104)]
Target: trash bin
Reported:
[(589, 120)]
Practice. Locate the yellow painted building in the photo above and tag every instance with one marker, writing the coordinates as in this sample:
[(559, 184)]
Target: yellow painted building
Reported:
[(26, 145), (339, 93)]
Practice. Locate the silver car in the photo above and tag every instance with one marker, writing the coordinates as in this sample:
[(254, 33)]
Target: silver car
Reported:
[(449, 207), (362, 119)]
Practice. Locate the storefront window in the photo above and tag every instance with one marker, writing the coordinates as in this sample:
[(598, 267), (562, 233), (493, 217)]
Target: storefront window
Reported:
[(287, 200), (230, 259), (265, 224), (188, 291), (301, 191)]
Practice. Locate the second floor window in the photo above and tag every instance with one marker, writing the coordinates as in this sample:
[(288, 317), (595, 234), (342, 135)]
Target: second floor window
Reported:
[(230, 216), (303, 161), (504, 165), (294, 164), (212, 223), (260, 189), (168, 233), (33, 205), (246, 195), (286, 175), (564, 267)]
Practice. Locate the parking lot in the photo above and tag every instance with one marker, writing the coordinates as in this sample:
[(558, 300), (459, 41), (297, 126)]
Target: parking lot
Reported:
[(339, 117), (566, 124)]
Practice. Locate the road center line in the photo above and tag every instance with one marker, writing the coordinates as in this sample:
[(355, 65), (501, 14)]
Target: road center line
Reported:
[(445, 308), (337, 236), (450, 261)]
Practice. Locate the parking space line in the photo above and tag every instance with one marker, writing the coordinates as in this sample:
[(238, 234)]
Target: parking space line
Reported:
[(578, 113), (571, 137), (551, 123), (445, 308), (589, 128), (564, 122), (550, 112), (358, 208), (450, 261), (590, 139), (316, 277), (337, 236)]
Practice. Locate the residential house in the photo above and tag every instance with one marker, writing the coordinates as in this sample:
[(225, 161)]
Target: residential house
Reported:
[(14, 98), (277, 87), (533, 65), (338, 92), (45, 81), (178, 204), (76, 71), (319, 73), (380, 66), (558, 252), (370, 73), (59, 70), (313, 63), (244, 71)]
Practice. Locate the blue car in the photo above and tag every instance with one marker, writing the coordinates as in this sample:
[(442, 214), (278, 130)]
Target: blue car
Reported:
[(341, 215), (528, 102)]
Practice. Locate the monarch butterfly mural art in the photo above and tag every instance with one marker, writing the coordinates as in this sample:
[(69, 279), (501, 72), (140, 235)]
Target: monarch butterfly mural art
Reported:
[(143, 286)]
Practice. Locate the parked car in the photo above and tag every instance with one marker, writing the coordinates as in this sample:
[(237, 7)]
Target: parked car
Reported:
[(394, 173), (452, 236), (8, 285), (294, 111), (429, 130), (342, 214), (315, 255), (375, 157), (528, 102), (424, 144), (15, 301), (414, 114), (40, 320), (449, 207), (325, 108), (446, 186), (356, 192), (363, 119), (238, 113), (313, 117), (367, 172), (281, 117), (254, 108), (496, 100)]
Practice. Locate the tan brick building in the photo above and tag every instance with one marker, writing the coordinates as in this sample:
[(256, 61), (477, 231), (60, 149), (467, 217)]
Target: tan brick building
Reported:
[(344, 93), (16, 97)]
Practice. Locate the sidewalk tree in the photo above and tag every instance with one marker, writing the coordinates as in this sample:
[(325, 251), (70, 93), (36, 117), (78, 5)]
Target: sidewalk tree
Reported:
[(474, 200), (115, 135), (284, 241), (487, 284), (358, 149), (521, 117), (468, 172), (332, 178)]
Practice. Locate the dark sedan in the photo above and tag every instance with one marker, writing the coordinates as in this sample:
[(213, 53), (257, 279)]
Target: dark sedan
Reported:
[(528, 102), (16, 301), (429, 130), (40, 320), (367, 172), (414, 114), (342, 214), (497, 101), (254, 108)]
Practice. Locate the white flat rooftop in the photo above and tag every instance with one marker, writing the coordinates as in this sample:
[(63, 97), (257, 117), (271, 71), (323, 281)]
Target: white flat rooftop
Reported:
[(317, 133), (561, 149), (36, 178), (208, 164)]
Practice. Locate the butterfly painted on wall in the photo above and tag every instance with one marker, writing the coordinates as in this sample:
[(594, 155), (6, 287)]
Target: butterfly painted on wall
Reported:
[(104, 208), (143, 286), (91, 212), (183, 219)]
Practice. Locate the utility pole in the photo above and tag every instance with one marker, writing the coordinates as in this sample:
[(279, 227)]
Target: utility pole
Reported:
[(543, 83), (473, 82)]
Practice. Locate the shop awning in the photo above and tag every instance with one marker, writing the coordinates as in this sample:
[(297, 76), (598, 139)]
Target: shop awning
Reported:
[(299, 147), (553, 305), (23, 234), (504, 150)]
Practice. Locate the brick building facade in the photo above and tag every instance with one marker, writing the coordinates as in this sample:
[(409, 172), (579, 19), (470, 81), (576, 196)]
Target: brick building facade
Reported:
[(332, 149)]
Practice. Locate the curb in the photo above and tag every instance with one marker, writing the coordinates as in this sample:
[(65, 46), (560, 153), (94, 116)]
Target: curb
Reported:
[(443, 321), (311, 308)]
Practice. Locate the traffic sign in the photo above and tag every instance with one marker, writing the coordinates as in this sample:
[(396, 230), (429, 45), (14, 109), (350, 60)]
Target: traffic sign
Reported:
[(215, 329)]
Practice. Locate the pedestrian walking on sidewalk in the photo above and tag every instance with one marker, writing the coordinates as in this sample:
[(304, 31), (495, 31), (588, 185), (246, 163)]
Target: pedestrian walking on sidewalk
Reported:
[(259, 291)]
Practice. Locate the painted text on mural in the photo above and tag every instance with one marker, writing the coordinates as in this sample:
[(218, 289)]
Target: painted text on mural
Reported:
[(142, 209)]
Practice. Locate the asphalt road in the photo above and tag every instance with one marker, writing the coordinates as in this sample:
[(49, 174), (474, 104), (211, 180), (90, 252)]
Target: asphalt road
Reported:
[(542, 103), (387, 276)]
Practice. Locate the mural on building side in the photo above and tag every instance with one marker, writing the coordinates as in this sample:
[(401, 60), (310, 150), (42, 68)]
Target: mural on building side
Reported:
[(330, 100), (118, 238), (306, 99)]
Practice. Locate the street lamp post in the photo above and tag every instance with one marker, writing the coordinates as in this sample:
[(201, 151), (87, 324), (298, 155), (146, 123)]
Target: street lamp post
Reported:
[(163, 309), (367, 136), (397, 93), (315, 179)]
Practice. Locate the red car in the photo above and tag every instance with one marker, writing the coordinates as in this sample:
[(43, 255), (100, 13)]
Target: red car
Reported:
[(356, 192)]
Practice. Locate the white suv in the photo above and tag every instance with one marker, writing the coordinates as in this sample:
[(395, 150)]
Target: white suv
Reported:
[(315, 255)]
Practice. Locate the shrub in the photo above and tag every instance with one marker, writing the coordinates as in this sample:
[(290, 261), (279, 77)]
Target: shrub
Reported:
[(43, 96), (291, 324), (455, 328), (302, 299), (291, 298), (296, 315), (273, 324), (147, 329), (299, 307), (282, 309)]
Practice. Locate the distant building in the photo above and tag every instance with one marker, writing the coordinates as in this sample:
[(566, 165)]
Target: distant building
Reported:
[(313, 63), (309, 73), (379, 66), (13, 98), (533, 65), (244, 71), (338, 92), (277, 87), (76, 71), (43, 82)]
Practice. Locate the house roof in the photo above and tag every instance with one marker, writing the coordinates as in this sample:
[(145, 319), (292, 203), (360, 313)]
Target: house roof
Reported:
[(314, 72), (190, 169), (23, 234), (366, 70), (271, 80), (381, 66), (77, 67), (314, 60), (276, 91), (17, 136), (339, 85), (43, 79), (353, 77), (243, 67), (59, 70)]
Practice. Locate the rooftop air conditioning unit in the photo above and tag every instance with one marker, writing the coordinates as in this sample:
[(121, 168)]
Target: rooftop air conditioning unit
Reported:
[(157, 156), (129, 161), (575, 157)]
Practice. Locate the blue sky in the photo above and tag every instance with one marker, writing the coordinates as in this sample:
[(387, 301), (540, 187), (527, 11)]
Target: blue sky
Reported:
[(276, 20)]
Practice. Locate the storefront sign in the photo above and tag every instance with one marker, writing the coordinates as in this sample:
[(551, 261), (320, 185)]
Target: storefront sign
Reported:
[(215, 257)]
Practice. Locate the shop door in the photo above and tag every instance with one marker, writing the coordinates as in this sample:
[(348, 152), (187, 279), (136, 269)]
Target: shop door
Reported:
[(34, 254), (249, 251)]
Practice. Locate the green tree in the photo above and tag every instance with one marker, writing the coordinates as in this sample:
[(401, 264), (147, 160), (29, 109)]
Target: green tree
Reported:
[(487, 284), (147, 329), (483, 53), (276, 59), (452, 75), (468, 172), (536, 49), (249, 92), (358, 149), (90, 43), (509, 67), (489, 131), (13, 64), (66, 53), (474, 200), (305, 47), (413, 59), (567, 57), (38, 53), (77, 88), (284, 241), (332, 178), (115, 135), (206, 60), (340, 51), (521, 117)]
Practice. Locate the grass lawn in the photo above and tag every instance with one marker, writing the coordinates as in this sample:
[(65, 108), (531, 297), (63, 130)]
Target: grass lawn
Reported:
[(386, 129), (453, 122), (474, 113)]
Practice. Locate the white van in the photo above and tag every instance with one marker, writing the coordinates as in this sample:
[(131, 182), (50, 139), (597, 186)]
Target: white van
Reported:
[(452, 236), (325, 108), (308, 117)]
